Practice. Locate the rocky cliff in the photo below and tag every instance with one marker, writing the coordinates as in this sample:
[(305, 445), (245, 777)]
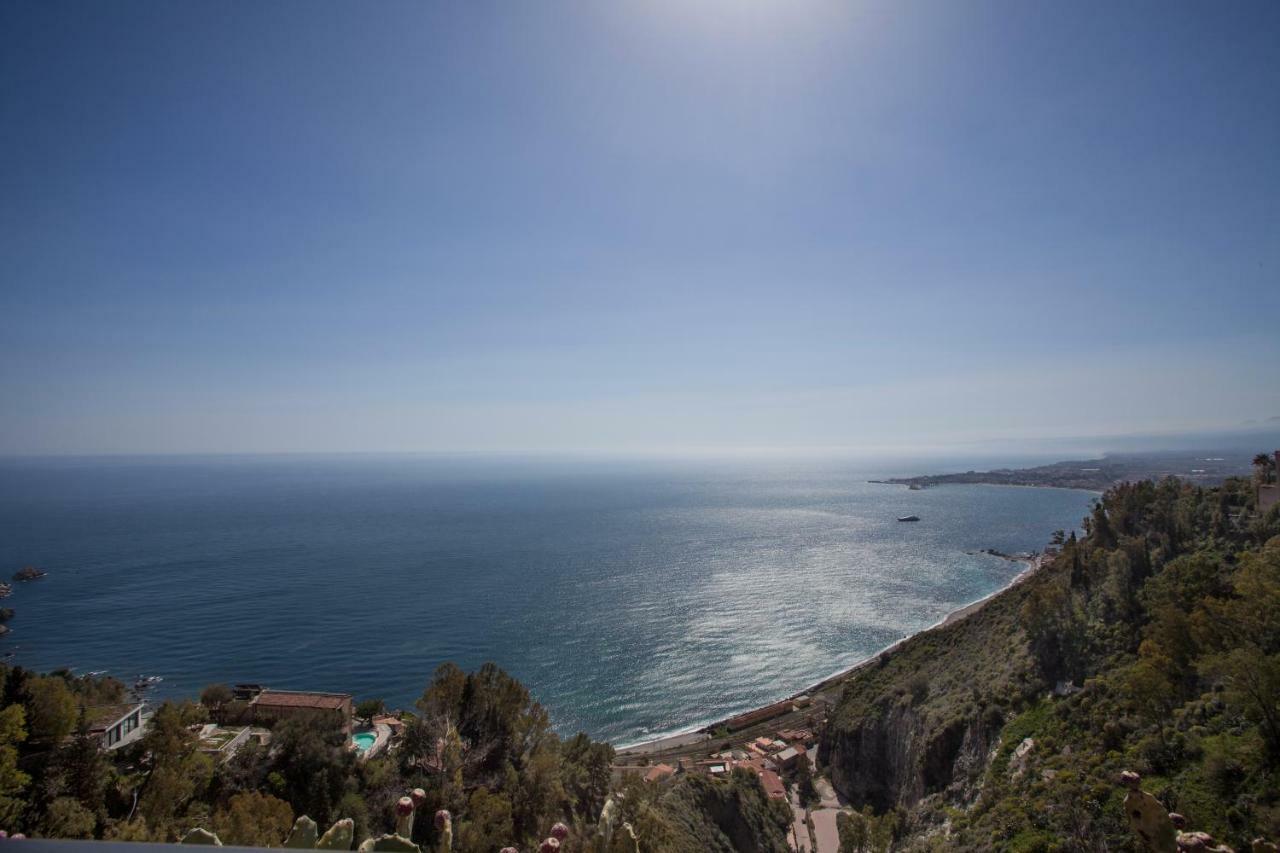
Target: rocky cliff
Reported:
[(924, 719), (1150, 644)]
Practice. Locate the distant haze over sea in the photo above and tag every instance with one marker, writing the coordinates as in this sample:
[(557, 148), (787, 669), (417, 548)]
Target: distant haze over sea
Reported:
[(634, 597)]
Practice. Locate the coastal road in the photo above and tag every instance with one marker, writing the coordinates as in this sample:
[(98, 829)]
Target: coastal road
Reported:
[(824, 828), (799, 829)]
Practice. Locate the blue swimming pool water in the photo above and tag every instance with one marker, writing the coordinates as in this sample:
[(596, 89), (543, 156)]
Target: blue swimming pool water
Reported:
[(364, 740)]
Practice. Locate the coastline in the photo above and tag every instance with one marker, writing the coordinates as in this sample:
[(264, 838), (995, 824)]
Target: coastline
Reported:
[(694, 734)]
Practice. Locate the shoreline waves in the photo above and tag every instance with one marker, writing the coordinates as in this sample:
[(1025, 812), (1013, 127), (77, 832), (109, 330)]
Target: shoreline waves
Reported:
[(698, 732)]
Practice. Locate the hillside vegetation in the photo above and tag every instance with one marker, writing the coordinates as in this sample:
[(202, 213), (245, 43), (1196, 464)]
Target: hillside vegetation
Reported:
[(479, 747), (1152, 643)]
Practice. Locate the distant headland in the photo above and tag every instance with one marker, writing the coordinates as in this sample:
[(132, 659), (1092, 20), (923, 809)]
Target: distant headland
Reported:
[(1206, 468)]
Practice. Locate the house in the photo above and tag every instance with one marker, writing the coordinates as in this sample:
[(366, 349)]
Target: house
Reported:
[(773, 785), (796, 736), (253, 704), (116, 725), (272, 705), (659, 772), (789, 756), (392, 722)]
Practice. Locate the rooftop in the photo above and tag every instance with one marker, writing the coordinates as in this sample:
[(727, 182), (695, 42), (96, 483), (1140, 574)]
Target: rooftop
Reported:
[(103, 717), (773, 785), (659, 771), (301, 699)]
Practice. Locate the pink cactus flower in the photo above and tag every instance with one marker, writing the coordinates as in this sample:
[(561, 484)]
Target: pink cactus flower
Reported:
[(551, 845), (442, 817), (559, 832), (508, 850), (404, 807), (418, 796)]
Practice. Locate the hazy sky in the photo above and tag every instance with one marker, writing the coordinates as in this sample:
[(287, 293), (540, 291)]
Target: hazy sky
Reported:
[(636, 226)]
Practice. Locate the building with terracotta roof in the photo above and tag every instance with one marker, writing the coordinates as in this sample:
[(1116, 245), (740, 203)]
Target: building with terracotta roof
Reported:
[(796, 736), (773, 785), (270, 706), (659, 772)]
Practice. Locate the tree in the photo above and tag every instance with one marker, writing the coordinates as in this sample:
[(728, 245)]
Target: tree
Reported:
[(805, 788), (84, 768), (313, 763), (853, 831), (487, 826), (179, 775), (537, 794), (1253, 684), (53, 708), (367, 709), (215, 697), (1265, 466), (418, 743), (170, 788), (586, 768), (13, 731), (443, 697), (253, 819), (66, 818)]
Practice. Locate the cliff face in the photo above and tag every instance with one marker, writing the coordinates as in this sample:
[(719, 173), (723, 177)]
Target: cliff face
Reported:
[(1162, 618), (926, 718), (896, 757)]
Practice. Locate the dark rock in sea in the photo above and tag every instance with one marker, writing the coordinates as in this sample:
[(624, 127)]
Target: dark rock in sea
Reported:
[(28, 573), (6, 613)]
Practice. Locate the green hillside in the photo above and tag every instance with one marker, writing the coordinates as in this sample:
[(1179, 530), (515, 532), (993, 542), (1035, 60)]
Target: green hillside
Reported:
[(1152, 644)]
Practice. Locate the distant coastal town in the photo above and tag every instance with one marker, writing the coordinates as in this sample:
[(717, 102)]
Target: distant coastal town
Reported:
[(1202, 468)]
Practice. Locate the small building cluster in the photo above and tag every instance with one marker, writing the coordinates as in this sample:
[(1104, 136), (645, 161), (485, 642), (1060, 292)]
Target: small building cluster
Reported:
[(766, 756), (248, 717)]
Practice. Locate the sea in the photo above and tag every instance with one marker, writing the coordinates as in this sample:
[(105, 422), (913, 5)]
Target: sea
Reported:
[(634, 597)]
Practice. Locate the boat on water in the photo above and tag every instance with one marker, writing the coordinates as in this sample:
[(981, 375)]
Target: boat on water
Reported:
[(908, 518)]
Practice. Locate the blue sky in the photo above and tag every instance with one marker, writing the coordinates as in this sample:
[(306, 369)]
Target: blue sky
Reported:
[(624, 226)]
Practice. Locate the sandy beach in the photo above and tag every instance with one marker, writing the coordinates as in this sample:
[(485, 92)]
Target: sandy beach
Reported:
[(682, 740)]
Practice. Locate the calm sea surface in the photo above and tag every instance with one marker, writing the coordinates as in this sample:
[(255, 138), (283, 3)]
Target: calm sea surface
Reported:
[(633, 598)]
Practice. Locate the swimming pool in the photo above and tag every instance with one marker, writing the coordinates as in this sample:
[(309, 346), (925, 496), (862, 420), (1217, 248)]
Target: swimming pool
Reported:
[(364, 740)]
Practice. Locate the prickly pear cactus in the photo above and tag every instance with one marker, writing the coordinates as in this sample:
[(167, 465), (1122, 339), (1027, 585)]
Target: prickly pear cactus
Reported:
[(338, 836), (444, 826), (200, 836), (1148, 819), (303, 835)]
